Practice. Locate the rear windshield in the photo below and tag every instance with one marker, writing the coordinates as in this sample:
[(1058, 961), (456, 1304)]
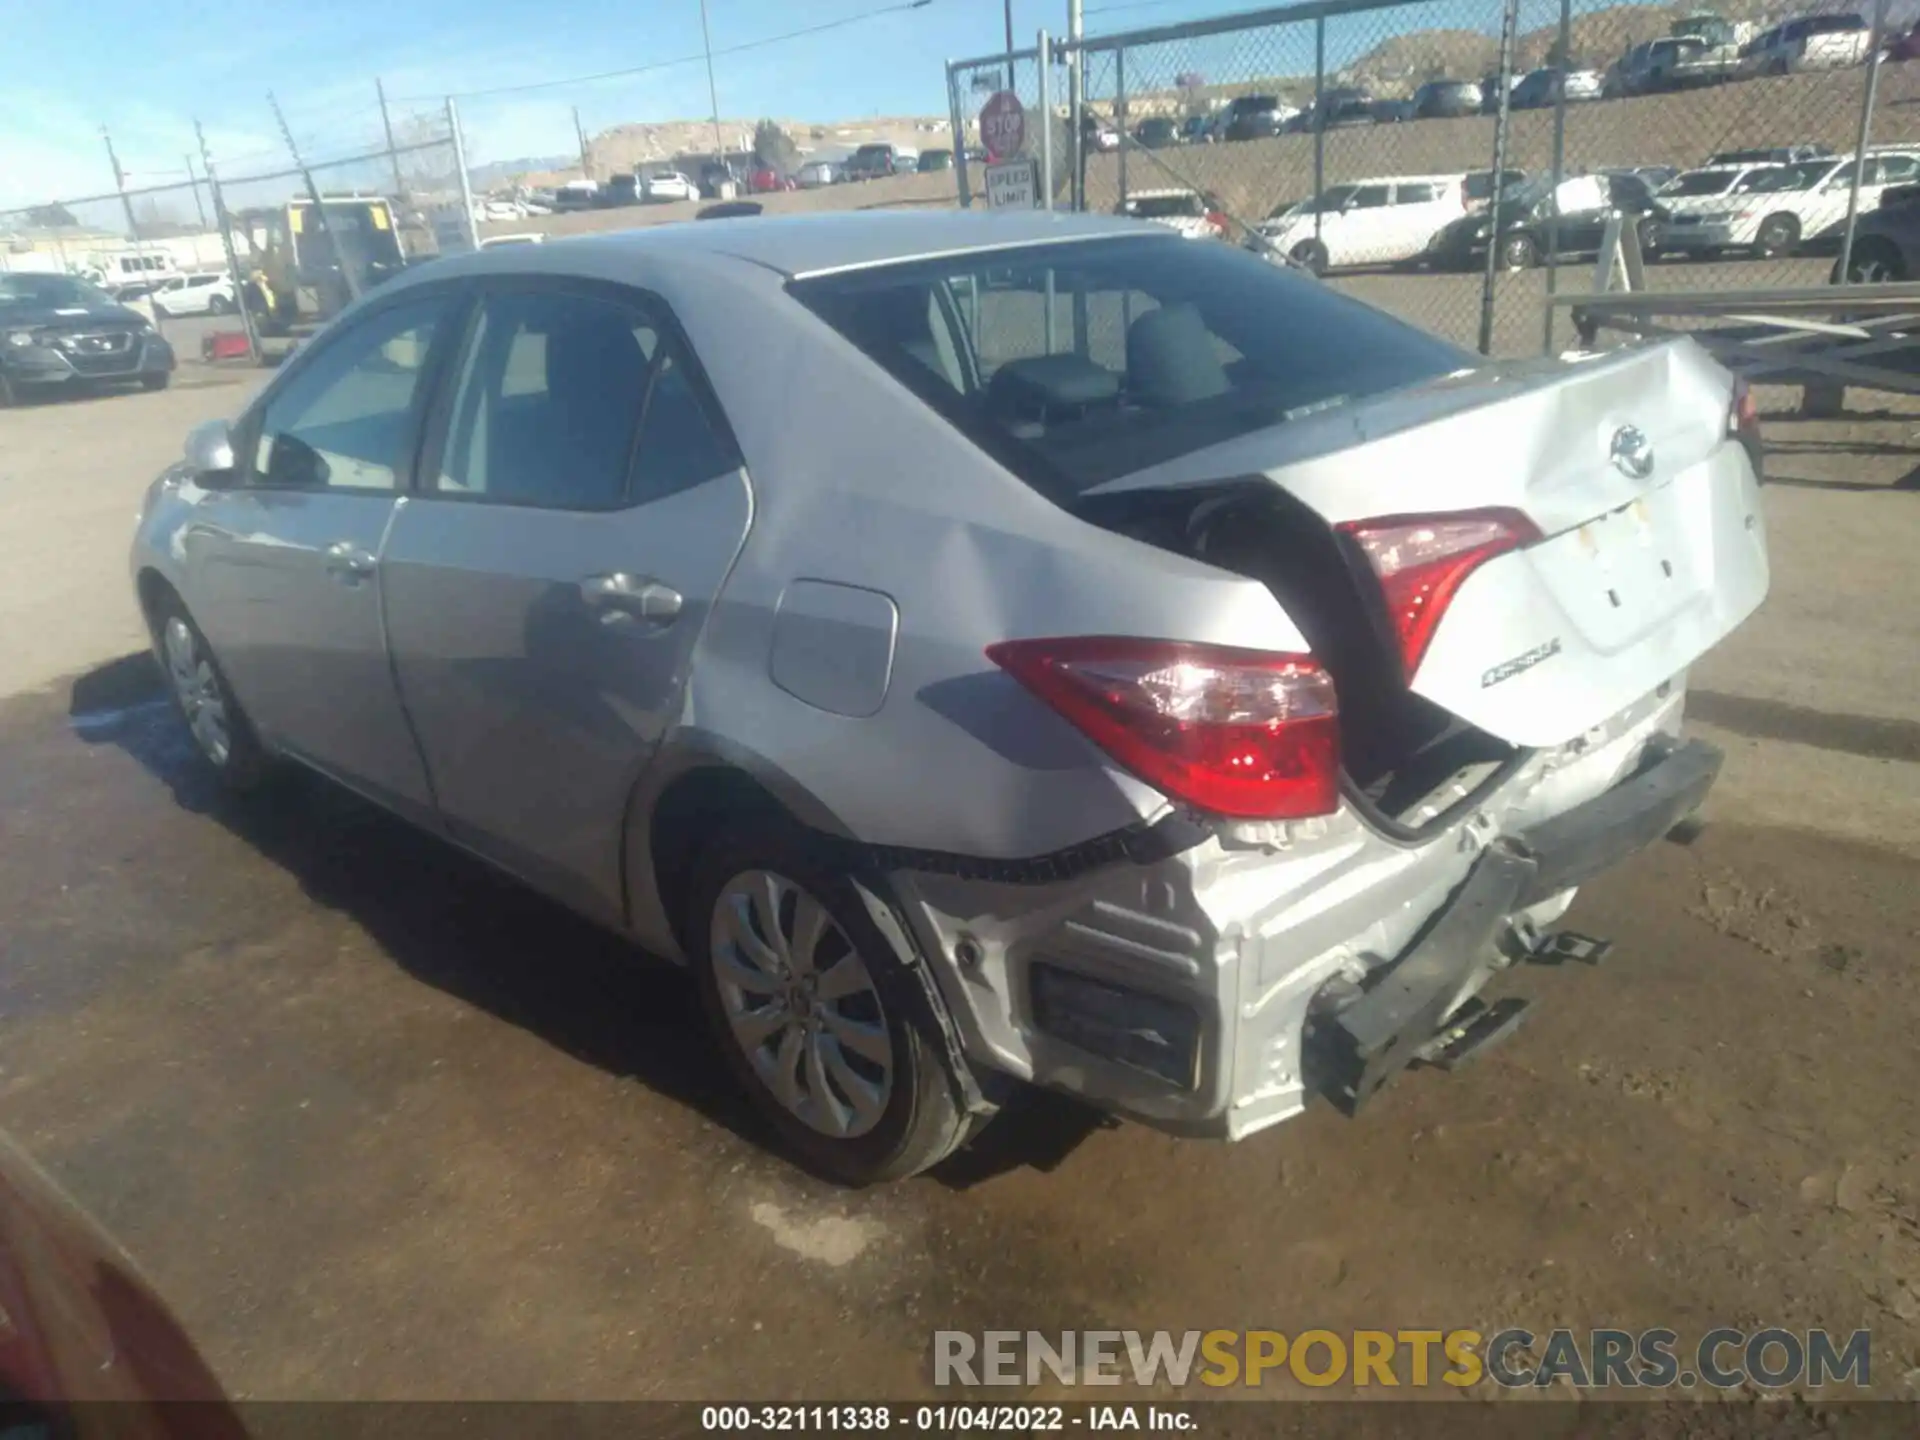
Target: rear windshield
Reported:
[(1804, 176), (1151, 349)]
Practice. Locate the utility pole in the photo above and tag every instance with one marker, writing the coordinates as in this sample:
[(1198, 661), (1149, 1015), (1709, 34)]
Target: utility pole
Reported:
[(1076, 106), (225, 223), (319, 211), (193, 183), (580, 134), (1009, 8), (126, 204), (393, 152), (713, 94)]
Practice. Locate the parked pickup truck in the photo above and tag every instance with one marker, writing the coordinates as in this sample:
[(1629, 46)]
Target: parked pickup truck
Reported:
[(1701, 50)]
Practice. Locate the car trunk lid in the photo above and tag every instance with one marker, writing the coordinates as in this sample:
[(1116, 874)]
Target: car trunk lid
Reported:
[(1633, 575)]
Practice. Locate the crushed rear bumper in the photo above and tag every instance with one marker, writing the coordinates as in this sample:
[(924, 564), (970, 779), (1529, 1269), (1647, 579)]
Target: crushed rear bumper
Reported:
[(1362, 1045), (1214, 990)]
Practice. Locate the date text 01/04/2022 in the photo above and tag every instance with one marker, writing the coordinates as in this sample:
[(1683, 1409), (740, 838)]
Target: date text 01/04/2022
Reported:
[(943, 1419)]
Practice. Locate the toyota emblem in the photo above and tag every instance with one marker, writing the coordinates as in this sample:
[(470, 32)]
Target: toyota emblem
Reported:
[(1631, 452)]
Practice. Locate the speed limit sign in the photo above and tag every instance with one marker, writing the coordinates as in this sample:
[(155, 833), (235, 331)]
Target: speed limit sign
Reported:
[(1003, 125)]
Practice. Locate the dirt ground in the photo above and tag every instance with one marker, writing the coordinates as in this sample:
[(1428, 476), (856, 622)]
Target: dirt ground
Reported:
[(381, 1124)]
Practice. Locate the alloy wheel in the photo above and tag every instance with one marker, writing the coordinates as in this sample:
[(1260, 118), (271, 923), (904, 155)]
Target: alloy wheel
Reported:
[(801, 1004), (197, 688)]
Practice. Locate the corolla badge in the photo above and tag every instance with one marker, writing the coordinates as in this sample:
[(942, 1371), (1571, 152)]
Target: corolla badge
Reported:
[(1631, 452)]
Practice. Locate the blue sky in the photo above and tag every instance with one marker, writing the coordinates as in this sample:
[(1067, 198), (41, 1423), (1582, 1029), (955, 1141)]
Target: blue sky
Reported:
[(146, 71)]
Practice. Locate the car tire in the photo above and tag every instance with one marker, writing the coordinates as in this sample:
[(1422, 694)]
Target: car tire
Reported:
[(9, 393), (156, 382), (840, 1051), (1518, 252), (1311, 256), (221, 731), (1778, 235), (1874, 264), (219, 305)]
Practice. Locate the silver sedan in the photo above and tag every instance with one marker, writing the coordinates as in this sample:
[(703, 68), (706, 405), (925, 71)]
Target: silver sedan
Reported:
[(990, 650)]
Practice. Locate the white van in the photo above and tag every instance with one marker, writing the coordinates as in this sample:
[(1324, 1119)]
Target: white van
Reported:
[(133, 267), (1384, 221)]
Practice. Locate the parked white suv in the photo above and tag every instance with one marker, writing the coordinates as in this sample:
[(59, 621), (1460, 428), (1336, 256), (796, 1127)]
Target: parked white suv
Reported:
[(1384, 221), (205, 294), (667, 185), (1772, 210), (1812, 42)]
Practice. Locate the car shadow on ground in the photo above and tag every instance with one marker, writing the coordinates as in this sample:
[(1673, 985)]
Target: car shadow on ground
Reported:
[(453, 922)]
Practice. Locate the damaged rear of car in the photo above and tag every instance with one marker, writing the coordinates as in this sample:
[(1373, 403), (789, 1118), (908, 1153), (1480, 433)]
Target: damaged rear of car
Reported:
[(1486, 584)]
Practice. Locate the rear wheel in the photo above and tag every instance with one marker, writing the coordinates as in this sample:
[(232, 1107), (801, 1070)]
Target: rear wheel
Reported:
[(1311, 255), (1778, 235), (220, 728), (219, 305), (1518, 252), (833, 1039), (156, 382), (1875, 263)]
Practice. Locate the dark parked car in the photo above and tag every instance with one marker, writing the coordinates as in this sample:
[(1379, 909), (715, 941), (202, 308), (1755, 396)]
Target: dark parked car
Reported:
[(58, 333), (1196, 130), (1156, 133), (1342, 106), (716, 174), (1886, 241), (621, 189), (1447, 99), (1392, 112), (1253, 117), (1528, 230), (871, 162), (934, 160), (730, 210)]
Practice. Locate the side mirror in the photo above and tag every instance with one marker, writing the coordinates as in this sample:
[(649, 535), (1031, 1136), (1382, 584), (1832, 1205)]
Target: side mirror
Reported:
[(209, 452)]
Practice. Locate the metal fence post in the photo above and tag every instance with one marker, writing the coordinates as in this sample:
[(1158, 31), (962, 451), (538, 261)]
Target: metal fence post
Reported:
[(225, 222), (340, 257), (1317, 117), (393, 155), (1558, 174), (958, 122), (1119, 118), (1045, 61), (471, 223), (133, 225), (1860, 140), (1509, 21)]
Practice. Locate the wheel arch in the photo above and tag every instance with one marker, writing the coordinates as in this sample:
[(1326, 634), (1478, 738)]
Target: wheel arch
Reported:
[(153, 590), (698, 784)]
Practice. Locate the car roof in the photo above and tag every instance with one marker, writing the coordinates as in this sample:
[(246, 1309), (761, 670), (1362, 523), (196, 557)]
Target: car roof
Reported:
[(797, 245)]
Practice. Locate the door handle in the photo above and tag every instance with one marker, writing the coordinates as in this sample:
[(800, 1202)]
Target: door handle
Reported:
[(621, 596), (348, 562)]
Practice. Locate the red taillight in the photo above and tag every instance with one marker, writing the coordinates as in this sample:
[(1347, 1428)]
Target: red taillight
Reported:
[(1217, 221), (1233, 732), (1743, 416), (1421, 561)]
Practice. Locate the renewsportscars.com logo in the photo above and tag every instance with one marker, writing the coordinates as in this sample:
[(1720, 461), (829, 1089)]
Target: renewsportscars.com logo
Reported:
[(1721, 1359)]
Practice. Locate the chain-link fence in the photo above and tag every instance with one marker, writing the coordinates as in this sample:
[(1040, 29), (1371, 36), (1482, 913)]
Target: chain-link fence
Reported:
[(264, 245), (1459, 165)]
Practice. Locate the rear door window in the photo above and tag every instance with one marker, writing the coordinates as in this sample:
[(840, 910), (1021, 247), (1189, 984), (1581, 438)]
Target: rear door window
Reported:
[(569, 401)]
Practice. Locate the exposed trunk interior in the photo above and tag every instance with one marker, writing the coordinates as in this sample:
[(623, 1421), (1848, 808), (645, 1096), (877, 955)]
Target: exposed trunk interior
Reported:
[(1398, 748)]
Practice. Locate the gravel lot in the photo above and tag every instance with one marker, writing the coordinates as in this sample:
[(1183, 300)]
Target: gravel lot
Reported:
[(383, 1125)]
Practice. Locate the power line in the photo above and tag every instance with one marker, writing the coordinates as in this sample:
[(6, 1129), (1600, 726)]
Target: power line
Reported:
[(682, 60)]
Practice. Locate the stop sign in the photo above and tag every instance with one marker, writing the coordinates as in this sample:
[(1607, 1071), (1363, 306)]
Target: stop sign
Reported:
[(1003, 125)]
